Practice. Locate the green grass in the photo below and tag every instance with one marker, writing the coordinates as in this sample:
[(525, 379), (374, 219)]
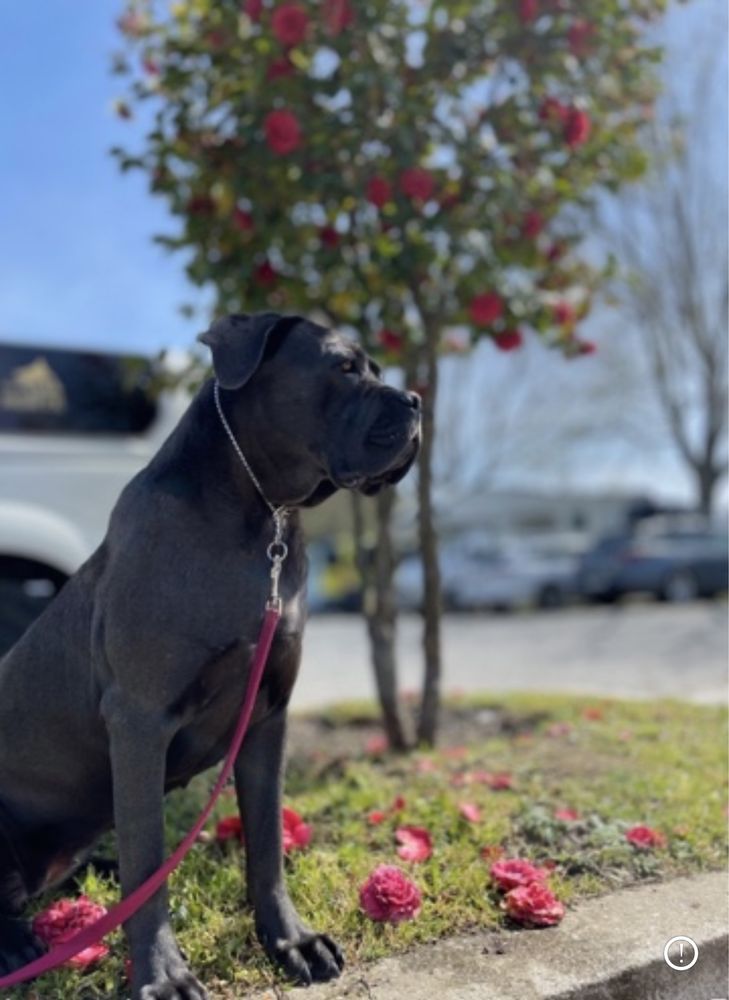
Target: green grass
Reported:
[(662, 764)]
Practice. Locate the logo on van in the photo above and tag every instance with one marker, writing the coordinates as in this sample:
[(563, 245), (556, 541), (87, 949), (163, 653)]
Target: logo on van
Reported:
[(33, 388)]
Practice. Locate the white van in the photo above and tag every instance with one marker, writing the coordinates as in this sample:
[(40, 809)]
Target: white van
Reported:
[(75, 426)]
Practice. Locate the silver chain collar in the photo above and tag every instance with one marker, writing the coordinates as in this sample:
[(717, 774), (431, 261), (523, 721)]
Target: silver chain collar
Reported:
[(277, 550)]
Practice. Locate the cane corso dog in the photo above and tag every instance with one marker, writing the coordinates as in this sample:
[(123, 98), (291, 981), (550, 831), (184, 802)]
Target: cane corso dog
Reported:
[(131, 681)]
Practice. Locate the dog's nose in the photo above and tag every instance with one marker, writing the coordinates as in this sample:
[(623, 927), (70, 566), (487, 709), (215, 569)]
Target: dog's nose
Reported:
[(412, 399)]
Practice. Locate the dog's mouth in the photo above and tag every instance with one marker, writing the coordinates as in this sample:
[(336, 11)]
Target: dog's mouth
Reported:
[(406, 448)]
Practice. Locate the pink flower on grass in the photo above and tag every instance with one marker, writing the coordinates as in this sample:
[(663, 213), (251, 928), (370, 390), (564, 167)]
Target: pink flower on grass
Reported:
[(470, 811), (376, 816), (533, 905), (377, 744), (296, 833), (645, 838), (509, 873), (389, 896), (229, 828), (415, 843), (65, 918), (567, 815)]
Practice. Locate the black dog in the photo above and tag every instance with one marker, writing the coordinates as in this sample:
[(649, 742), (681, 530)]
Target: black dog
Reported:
[(131, 682)]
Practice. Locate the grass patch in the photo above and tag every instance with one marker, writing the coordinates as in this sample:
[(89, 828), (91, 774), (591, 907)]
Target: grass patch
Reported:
[(617, 764)]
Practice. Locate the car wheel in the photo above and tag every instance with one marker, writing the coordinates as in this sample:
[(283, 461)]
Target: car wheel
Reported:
[(680, 587), (550, 596)]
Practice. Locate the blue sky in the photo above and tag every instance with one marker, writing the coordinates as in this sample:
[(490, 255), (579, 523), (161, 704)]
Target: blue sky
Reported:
[(77, 264)]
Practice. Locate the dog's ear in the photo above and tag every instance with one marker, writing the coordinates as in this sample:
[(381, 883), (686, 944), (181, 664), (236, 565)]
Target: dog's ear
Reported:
[(238, 344)]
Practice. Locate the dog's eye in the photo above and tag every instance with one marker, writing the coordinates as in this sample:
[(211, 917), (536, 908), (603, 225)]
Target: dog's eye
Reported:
[(347, 367)]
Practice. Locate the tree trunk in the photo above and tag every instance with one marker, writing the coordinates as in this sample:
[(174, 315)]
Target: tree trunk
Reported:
[(707, 480), (376, 571), (430, 704)]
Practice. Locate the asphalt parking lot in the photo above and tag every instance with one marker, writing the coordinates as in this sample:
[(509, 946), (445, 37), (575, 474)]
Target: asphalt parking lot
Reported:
[(636, 651)]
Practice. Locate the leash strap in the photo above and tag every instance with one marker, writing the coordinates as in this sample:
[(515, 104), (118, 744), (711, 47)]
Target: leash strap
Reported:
[(128, 906)]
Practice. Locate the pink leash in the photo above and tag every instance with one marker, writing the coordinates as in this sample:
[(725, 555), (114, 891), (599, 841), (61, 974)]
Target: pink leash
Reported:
[(123, 910)]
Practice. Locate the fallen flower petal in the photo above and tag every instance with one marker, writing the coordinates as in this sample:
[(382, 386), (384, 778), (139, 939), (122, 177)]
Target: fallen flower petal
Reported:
[(65, 918), (510, 873), (376, 816), (470, 811), (567, 815), (533, 905), (389, 896), (228, 828), (416, 843), (645, 837), (296, 833), (398, 804), (377, 744)]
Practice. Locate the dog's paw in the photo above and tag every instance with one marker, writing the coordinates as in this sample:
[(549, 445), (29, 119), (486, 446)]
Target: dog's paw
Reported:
[(307, 957), (18, 945), (172, 980)]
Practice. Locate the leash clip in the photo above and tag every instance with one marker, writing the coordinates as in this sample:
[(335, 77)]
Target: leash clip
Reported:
[(277, 552)]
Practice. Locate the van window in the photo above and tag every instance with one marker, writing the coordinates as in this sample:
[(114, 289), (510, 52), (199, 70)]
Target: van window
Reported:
[(44, 390)]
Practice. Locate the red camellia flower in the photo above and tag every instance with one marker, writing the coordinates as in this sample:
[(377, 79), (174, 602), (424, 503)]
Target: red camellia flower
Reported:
[(283, 133), (338, 15), (417, 184), (280, 68), (567, 815), (329, 237), (551, 110), (470, 811), (253, 8), (512, 872), (416, 843), (389, 896), (564, 314), (265, 274), (528, 10), (376, 817), (398, 804), (64, 918), (229, 828), (576, 127), (296, 833), (645, 837), (533, 905), (379, 191), (390, 340), (532, 225), (242, 220), (289, 23), (486, 308), (578, 37), (509, 340)]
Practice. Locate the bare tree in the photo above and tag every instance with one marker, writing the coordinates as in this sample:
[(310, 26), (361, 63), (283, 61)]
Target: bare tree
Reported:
[(670, 236)]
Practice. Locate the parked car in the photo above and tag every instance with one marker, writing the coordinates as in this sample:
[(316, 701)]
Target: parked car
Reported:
[(75, 426), (478, 572), (670, 559)]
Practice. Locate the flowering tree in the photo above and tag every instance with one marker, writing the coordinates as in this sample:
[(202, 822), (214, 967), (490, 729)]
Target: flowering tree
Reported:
[(403, 168)]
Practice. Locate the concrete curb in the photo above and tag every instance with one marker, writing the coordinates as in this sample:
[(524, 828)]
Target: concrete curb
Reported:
[(609, 948)]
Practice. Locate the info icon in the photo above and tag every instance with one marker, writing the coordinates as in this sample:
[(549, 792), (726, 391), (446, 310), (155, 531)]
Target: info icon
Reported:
[(681, 953)]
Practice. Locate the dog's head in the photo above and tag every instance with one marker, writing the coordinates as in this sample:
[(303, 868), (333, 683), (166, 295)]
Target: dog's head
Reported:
[(312, 404)]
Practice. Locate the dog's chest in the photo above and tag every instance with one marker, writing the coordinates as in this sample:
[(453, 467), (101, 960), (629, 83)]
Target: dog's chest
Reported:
[(210, 707)]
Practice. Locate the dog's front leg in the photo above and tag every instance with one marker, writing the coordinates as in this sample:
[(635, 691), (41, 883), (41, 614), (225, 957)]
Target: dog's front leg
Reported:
[(304, 954), (138, 745)]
